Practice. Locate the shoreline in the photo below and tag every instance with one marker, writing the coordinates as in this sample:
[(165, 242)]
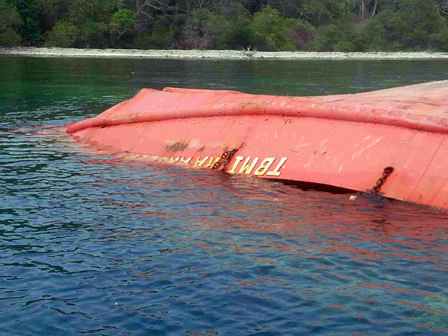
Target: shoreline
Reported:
[(215, 54)]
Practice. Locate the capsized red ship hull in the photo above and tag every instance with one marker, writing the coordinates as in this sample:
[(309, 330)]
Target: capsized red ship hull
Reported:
[(346, 141)]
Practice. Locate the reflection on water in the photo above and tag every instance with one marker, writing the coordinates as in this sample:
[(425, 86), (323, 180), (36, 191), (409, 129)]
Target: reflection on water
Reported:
[(92, 244), (287, 77)]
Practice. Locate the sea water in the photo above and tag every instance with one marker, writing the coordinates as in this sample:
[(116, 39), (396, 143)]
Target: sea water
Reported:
[(91, 244)]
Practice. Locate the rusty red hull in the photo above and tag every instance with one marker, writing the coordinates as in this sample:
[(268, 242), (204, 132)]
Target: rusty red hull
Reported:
[(344, 141)]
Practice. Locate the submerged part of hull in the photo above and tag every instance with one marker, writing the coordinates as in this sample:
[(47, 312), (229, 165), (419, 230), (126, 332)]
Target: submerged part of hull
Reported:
[(345, 141)]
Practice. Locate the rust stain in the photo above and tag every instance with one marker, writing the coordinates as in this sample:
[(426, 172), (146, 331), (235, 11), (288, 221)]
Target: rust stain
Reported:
[(177, 146)]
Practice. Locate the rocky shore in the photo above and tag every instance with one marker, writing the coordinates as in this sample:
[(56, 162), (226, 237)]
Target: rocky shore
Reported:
[(214, 54)]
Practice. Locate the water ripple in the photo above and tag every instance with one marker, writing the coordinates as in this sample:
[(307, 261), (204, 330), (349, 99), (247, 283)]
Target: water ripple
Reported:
[(94, 244)]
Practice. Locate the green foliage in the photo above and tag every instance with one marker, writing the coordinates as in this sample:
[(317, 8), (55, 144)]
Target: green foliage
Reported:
[(202, 29), (50, 12), (123, 20), (300, 33), (98, 11), (9, 17), (346, 35), (345, 46), (62, 35), (10, 23), (29, 15), (442, 7), (165, 30), (385, 38), (10, 38), (202, 17), (174, 22), (267, 26), (237, 35), (159, 38), (322, 25), (327, 37), (414, 25), (439, 41), (237, 38), (237, 15), (120, 30), (92, 20), (271, 30), (321, 12)]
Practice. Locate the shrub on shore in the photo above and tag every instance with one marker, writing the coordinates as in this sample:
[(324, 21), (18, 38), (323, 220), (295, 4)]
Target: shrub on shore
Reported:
[(10, 23), (10, 38), (411, 25), (62, 35), (321, 25)]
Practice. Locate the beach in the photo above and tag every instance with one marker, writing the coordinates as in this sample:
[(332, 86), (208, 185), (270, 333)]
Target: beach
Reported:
[(214, 54)]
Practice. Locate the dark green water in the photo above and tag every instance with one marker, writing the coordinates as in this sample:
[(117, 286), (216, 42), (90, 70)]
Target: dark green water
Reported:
[(93, 245)]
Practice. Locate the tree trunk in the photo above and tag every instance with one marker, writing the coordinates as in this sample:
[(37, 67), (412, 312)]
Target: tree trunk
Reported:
[(362, 10), (374, 8)]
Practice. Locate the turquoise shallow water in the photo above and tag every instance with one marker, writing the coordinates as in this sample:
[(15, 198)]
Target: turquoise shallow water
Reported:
[(94, 245)]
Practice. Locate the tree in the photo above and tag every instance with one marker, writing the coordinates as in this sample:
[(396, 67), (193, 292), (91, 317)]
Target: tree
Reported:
[(414, 24), (273, 33), (28, 11), (321, 12), (442, 7), (10, 24), (202, 29), (122, 22), (62, 35)]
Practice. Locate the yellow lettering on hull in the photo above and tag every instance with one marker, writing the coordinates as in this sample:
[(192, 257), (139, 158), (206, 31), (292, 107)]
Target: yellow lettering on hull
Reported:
[(246, 168), (184, 161), (238, 159), (211, 163), (246, 165), (264, 166), (200, 162), (276, 171)]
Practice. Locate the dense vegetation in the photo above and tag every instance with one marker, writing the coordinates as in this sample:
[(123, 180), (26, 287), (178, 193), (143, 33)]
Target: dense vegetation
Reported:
[(274, 25)]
